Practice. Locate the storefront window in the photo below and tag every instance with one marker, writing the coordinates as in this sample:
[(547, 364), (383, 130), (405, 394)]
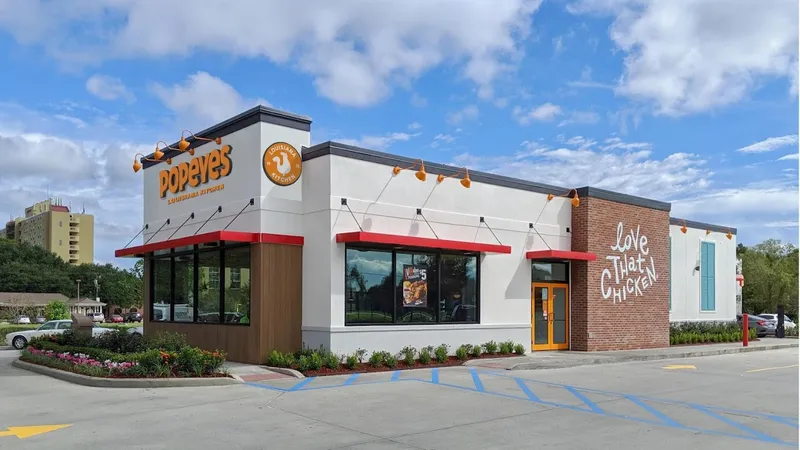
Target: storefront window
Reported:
[(459, 289), (551, 272), (162, 289), (416, 287), (208, 292), (406, 287), (183, 311), (237, 294), (369, 295)]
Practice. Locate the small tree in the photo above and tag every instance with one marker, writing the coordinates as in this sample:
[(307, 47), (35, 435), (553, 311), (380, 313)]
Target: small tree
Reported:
[(56, 310)]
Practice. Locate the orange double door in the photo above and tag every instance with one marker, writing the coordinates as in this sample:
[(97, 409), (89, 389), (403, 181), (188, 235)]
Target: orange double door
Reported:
[(549, 316)]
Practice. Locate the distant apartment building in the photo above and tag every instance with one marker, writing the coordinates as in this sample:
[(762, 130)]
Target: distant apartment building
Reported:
[(52, 226)]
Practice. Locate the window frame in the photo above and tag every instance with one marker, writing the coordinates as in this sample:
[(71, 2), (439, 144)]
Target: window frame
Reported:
[(396, 308), (195, 251)]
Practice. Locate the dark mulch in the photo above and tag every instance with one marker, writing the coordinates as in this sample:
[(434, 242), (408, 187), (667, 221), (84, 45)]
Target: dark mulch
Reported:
[(366, 368), (77, 370)]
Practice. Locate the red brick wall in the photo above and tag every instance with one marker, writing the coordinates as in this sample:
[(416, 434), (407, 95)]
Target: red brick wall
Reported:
[(627, 320)]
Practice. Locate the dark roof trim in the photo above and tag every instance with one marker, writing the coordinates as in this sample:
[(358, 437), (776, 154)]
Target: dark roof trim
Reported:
[(603, 194), (387, 159), (362, 154), (701, 225), (250, 117)]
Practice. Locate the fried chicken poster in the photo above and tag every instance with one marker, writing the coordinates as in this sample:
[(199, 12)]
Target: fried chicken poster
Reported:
[(415, 286)]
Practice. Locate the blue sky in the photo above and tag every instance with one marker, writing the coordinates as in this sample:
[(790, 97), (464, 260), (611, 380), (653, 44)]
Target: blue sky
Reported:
[(688, 101)]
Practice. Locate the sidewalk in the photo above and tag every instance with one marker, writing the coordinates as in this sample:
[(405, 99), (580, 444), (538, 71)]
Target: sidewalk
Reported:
[(565, 359), (250, 373)]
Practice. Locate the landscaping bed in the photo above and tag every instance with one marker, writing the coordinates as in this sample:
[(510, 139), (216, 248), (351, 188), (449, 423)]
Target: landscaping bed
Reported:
[(321, 362), (693, 333), (119, 354)]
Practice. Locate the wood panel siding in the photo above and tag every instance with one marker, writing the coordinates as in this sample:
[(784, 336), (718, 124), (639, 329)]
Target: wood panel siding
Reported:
[(275, 309)]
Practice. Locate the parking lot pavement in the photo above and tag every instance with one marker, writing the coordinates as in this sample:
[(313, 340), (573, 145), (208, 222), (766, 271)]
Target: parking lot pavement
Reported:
[(722, 402)]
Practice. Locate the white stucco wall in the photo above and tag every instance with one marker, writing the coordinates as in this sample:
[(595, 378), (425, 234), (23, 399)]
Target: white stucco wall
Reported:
[(383, 203), (685, 280), (277, 209)]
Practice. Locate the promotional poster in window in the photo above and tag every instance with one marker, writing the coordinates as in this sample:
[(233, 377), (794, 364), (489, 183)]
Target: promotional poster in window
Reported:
[(415, 286)]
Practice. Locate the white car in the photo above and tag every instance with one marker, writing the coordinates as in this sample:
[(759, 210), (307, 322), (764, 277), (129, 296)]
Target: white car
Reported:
[(20, 339), (787, 322), (96, 316)]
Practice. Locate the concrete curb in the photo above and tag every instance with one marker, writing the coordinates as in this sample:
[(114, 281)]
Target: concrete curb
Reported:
[(285, 371), (660, 356), (123, 382)]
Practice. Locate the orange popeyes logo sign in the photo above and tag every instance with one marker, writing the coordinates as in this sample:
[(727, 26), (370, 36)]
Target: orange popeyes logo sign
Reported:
[(282, 164), (197, 171)]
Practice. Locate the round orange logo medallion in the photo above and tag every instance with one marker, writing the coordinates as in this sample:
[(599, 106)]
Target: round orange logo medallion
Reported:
[(282, 164)]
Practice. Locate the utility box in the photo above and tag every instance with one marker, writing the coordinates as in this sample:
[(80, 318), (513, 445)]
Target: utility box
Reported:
[(82, 325)]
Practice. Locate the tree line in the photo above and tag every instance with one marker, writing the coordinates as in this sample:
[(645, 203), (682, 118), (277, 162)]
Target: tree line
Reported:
[(770, 272), (26, 268)]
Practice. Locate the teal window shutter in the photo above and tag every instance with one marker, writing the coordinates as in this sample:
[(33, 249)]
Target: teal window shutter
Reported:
[(707, 276), (670, 273)]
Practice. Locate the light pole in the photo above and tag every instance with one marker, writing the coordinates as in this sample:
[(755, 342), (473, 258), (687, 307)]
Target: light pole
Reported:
[(97, 288), (79, 289)]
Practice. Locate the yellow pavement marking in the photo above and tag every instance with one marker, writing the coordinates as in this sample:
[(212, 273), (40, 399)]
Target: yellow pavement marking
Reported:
[(26, 432), (773, 368), (680, 366)]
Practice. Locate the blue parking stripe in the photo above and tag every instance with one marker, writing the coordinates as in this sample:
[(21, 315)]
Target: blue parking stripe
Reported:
[(435, 376), (300, 385), (655, 412), (527, 390), (746, 429), (395, 376), (595, 409), (477, 380), (351, 379)]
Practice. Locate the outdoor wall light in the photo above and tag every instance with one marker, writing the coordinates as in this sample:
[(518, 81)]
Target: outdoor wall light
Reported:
[(183, 144), (729, 235), (708, 232), (159, 154), (575, 200), (421, 174), (137, 166), (465, 181), (683, 228)]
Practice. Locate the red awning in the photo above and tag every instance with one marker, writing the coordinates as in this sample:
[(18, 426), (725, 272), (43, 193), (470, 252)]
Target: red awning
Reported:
[(561, 255), (205, 238), (422, 242)]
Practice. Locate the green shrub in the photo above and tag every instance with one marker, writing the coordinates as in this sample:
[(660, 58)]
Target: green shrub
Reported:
[(425, 355), (56, 310), (490, 347), (120, 341), (167, 340), (333, 361), (361, 354), (519, 349), (277, 359), (351, 361), (390, 360), (475, 351), (505, 347), (462, 353), (376, 359), (408, 354), (189, 361), (304, 363), (5, 329), (441, 353)]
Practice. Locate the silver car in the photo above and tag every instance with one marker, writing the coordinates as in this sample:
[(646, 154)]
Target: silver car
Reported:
[(773, 320)]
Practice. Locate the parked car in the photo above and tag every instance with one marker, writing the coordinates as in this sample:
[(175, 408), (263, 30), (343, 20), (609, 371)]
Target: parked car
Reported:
[(20, 339), (22, 320), (134, 316), (773, 319), (115, 318), (40, 319), (759, 324), (96, 316)]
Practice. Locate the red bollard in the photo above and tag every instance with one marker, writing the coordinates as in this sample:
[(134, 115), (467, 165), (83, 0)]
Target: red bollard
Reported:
[(745, 331)]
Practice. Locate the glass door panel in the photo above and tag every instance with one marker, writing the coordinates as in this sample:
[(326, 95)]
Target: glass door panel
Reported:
[(541, 297), (559, 316)]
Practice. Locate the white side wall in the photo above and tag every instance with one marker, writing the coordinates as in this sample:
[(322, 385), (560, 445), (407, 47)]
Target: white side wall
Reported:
[(685, 280), (383, 203)]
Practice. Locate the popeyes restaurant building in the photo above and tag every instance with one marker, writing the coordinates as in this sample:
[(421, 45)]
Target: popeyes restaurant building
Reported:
[(255, 240)]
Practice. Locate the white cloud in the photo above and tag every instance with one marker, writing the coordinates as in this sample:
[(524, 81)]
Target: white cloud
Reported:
[(580, 117), (418, 101), (73, 120), (688, 56), (542, 113), (586, 81), (466, 113), (378, 142), (558, 44), (356, 51), (789, 157), (203, 99), (442, 139), (414, 126), (770, 144), (108, 88)]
